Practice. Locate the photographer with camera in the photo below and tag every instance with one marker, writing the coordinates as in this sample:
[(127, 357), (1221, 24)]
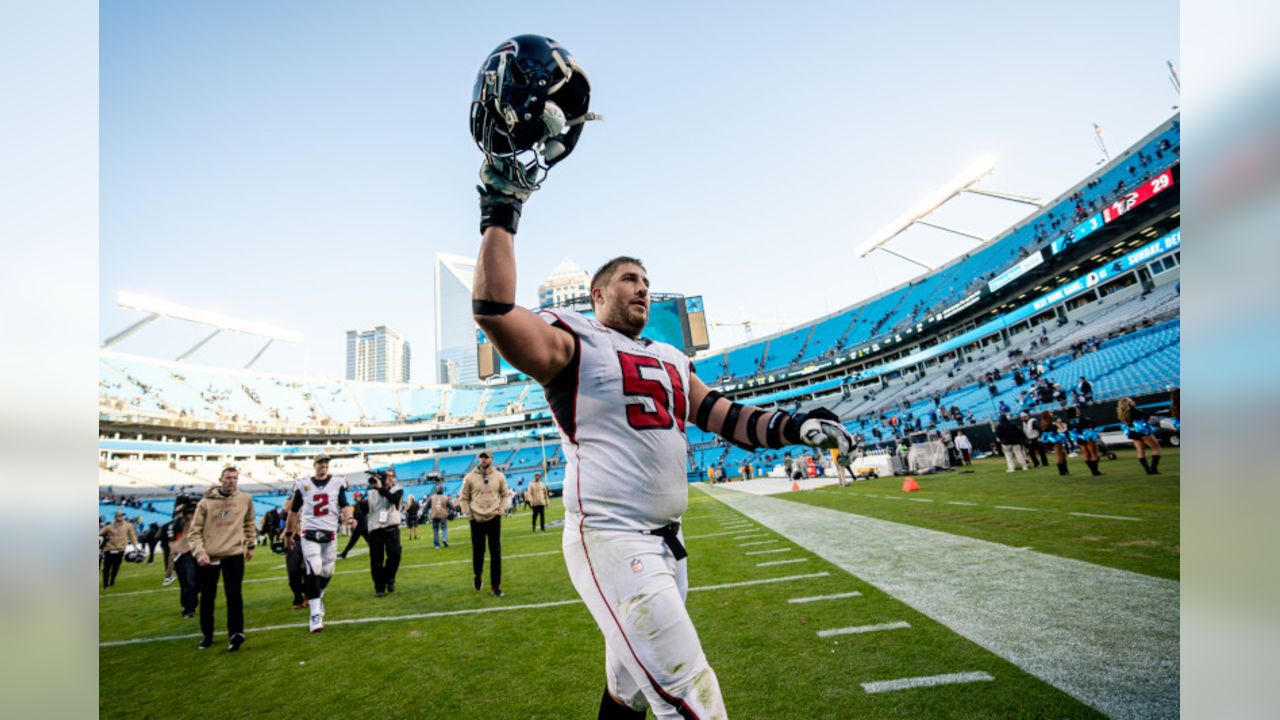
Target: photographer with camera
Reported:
[(117, 537), (383, 533), (223, 536), (184, 564)]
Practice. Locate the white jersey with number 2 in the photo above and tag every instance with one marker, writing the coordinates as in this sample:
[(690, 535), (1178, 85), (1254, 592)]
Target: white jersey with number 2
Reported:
[(320, 509), (621, 406)]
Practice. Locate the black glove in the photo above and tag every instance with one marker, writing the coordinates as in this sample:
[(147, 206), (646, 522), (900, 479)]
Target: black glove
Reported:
[(819, 428), (502, 197)]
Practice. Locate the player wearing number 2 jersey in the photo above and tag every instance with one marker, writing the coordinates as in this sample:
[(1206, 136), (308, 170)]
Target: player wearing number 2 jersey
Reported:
[(316, 506), (622, 404)]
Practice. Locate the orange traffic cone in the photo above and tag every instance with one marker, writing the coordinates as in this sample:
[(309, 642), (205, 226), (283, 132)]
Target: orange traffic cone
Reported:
[(910, 485), (794, 486)]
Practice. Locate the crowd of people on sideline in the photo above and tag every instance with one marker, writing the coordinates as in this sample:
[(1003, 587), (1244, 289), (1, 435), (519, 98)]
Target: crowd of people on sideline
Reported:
[(210, 537)]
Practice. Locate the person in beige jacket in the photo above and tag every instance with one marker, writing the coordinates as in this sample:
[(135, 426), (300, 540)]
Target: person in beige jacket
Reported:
[(439, 515), (119, 535), (484, 496), (222, 538), (537, 497)]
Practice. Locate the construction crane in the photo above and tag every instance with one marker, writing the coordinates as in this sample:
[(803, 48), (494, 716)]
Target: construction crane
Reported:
[(747, 323)]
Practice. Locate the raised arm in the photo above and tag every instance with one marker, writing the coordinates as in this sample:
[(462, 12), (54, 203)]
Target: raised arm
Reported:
[(752, 428), (526, 341)]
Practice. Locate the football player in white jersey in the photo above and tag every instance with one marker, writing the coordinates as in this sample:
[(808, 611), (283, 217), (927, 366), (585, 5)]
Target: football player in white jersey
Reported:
[(622, 404), (315, 508)]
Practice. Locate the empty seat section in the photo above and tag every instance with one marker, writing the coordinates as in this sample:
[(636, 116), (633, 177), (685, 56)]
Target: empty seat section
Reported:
[(377, 400), (419, 404)]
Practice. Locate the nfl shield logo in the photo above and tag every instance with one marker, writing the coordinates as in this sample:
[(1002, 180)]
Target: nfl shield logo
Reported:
[(637, 566)]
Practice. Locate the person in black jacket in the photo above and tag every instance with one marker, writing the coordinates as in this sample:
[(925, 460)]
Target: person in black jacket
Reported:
[(1011, 440), (362, 525)]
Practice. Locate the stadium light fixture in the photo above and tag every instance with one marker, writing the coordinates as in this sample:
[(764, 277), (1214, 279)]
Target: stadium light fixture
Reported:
[(981, 168), (164, 308)]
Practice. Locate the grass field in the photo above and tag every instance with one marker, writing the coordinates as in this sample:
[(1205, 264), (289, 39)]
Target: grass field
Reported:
[(436, 648)]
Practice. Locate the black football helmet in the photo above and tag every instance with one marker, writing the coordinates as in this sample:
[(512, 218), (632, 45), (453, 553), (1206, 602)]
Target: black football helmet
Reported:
[(528, 107)]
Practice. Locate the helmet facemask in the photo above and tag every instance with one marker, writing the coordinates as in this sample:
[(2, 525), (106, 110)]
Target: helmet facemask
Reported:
[(528, 106)]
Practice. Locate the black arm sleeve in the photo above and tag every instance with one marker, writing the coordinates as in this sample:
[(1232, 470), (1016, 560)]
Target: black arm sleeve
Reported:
[(392, 496), (295, 503), (342, 498)]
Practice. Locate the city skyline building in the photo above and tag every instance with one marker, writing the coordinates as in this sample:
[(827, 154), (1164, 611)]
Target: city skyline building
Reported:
[(455, 327), (566, 282), (377, 355)]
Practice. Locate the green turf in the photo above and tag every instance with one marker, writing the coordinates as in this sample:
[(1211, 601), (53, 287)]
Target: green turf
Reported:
[(548, 662), (1149, 545)]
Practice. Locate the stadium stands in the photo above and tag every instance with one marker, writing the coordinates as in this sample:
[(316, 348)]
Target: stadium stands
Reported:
[(1125, 342)]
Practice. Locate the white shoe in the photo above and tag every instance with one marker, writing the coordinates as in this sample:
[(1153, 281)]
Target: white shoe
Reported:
[(317, 623), (169, 580)]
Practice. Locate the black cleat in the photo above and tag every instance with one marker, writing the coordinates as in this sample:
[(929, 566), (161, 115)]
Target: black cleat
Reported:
[(391, 587), (236, 641), (379, 594), (205, 644), (188, 614), (476, 582), (498, 593)]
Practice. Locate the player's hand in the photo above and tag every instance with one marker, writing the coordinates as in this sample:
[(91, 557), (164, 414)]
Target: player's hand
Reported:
[(203, 559), (248, 555), (506, 178), (822, 429), (289, 541), (351, 523)]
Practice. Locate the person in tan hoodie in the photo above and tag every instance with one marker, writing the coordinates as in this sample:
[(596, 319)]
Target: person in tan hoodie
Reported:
[(439, 515), (222, 537), (536, 496), (119, 536), (484, 496)]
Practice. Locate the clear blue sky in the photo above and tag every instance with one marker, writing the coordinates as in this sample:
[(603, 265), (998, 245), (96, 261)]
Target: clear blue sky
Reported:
[(299, 163)]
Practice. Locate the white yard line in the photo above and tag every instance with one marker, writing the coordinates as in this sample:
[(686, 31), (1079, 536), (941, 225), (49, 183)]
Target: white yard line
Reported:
[(1108, 637), (449, 613), (919, 499), (816, 598), (1015, 507), (765, 581), (362, 571), (859, 629), (925, 681), (767, 552), (757, 542), (748, 535), (714, 534), (961, 502), (782, 562), (1106, 517)]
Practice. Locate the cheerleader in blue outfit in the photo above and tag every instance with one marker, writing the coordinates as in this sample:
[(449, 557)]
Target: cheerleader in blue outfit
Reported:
[(1054, 434), (1085, 433), (1137, 426)]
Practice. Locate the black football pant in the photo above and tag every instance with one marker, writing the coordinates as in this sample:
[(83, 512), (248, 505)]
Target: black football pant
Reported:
[(539, 514), (111, 566), (356, 534), (384, 556), (185, 568), (490, 531), (294, 566), (232, 571)]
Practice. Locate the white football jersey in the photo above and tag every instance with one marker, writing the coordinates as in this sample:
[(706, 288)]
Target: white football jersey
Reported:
[(621, 406), (320, 510)]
